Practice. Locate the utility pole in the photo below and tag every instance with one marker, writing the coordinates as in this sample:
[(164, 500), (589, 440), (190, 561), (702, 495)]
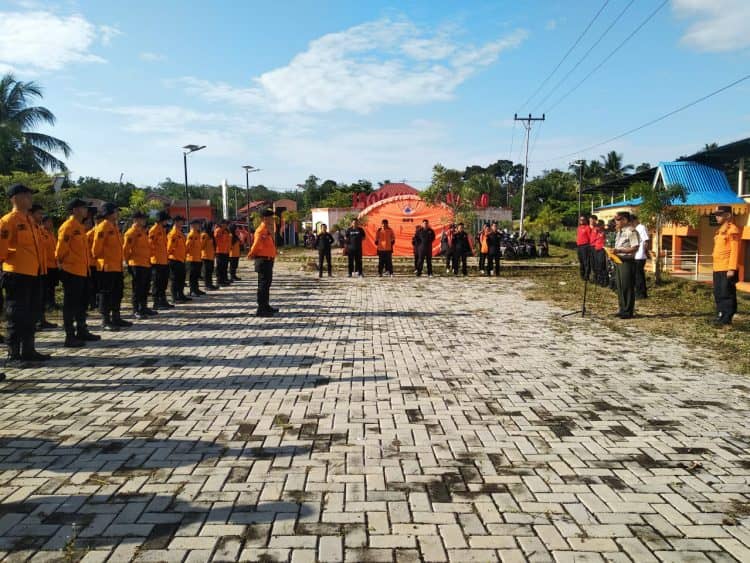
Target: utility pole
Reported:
[(527, 121), (580, 164)]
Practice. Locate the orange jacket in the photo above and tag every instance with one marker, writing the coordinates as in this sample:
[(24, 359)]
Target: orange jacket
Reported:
[(223, 240), (157, 238), (385, 238), (193, 246), (107, 248), (263, 244), (90, 245), (20, 245), (136, 250), (176, 245), (207, 247), (234, 252), (48, 243), (726, 253), (73, 252)]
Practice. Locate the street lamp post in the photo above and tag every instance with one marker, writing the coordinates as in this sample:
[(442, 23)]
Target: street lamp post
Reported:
[(187, 149), (248, 169)]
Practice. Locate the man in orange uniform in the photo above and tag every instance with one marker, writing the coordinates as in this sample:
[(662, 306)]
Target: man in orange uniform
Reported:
[(90, 224), (53, 272), (48, 250), (223, 240), (726, 256), (193, 257), (385, 238), (23, 264), (136, 252), (234, 253), (157, 238), (176, 252), (73, 255), (107, 250), (263, 252)]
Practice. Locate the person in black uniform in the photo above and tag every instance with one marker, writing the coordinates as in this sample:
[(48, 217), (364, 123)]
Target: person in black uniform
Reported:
[(354, 237), (446, 246), (324, 243), (461, 249), (493, 250), (426, 238), (415, 246)]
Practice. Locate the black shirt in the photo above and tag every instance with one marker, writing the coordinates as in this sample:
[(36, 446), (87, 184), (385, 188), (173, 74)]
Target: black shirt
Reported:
[(324, 242), (354, 237), (461, 243), (426, 237)]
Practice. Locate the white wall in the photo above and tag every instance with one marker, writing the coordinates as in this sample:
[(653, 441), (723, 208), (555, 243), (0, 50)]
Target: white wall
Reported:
[(329, 215)]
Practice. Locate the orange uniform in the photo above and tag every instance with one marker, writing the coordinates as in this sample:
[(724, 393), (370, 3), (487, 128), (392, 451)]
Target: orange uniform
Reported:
[(726, 254), (157, 238), (234, 252), (385, 238), (223, 240), (136, 250), (176, 245), (72, 252), (207, 247), (263, 244), (193, 246), (20, 245), (107, 247), (48, 243), (90, 243)]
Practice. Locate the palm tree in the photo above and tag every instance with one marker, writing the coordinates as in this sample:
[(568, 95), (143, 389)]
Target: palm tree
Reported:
[(613, 167), (27, 150)]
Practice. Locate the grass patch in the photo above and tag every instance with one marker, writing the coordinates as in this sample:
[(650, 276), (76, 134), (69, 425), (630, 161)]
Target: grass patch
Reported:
[(676, 308)]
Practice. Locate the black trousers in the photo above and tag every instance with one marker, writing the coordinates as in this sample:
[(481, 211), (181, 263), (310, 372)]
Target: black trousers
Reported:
[(640, 279), (385, 261), (625, 273), (725, 296), (483, 259), (324, 255), (424, 255), (53, 279), (264, 268), (448, 259), (159, 282), (195, 276), (111, 285), (22, 306), (584, 260), (140, 277), (75, 303), (42, 296), (462, 258), (600, 268), (493, 262), (355, 261), (93, 288), (234, 264), (208, 273), (222, 268), (416, 259), (177, 279)]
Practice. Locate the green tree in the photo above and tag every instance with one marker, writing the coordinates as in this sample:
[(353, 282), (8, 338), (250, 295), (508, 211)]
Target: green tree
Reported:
[(310, 192), (337, 198), (643, 166), (139, 202), (613, 165), (21, 148), (449, 187), (660, 206), (548, 219)]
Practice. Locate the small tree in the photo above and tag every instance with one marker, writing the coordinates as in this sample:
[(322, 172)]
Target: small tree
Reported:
[(659, 207), (548, 219), (448, 187)]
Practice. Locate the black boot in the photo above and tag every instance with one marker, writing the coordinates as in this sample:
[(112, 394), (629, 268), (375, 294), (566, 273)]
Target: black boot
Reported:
[(117, 320), (107, 323), (71, 341), (84, 334), (14, 348), (29, 352)]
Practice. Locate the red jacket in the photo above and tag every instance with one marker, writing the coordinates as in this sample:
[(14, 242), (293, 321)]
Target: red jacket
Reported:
[(583, 235)]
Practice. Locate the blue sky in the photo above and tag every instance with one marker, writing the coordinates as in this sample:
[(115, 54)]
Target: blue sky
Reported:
[(376, 90)]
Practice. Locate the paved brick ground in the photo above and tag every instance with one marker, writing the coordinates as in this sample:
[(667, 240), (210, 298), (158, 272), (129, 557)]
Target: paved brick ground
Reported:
[(375, 420)]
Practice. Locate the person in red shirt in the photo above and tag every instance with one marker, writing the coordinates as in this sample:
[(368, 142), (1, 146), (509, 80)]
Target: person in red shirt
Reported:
[(583, 245), (599, 256)]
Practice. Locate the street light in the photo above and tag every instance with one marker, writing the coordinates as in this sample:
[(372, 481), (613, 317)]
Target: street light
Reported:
[(187, 150), (248, 169)]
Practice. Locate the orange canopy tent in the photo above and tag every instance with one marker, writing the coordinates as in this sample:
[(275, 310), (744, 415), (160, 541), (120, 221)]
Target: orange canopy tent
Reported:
[(404, 213)]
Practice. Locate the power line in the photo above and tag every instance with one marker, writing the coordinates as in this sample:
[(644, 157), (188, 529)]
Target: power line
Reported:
[(611, 54), (565, 56), (586, 54), (656, 120)]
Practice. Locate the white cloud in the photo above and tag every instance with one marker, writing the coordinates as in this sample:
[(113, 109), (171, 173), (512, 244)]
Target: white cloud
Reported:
[(44, 41), (720, 25), (377, 63), (150, 57), (163, 119)]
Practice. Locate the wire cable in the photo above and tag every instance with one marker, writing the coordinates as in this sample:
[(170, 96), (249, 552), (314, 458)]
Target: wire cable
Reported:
[(565, 56), (610, 55), (585, 55)]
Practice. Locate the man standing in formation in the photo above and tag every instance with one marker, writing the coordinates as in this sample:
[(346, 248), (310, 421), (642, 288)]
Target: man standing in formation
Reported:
[(424, 248), (626, 245), (177, 254), (263, 252), (446, 246), (493, 250), (323, 243), (137, 253), (583, 247), (193, 256), (223, 242), (484, 249), (460, 249), (107, 251), (47, 280), (73, 256), (353, 238), (157, 239), (726, 256), (385, 238)]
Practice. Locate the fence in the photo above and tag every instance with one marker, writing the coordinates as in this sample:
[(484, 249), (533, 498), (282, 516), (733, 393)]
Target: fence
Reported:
[(690, 264)]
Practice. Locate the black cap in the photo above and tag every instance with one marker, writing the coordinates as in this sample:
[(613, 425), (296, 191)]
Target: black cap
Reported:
[(75, 203), (721, 209), (162, 216), (139, 215), (108, 209), (36, 207), (267, 213), (178, 218), (16, 189)]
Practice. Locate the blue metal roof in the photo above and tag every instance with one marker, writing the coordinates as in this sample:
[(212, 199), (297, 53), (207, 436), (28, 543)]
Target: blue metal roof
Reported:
[(703, 185)]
